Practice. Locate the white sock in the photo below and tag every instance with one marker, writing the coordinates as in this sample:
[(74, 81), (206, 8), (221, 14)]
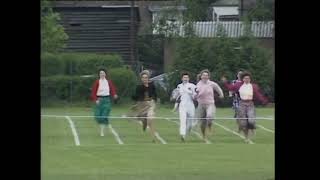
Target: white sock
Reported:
[(102, 126)]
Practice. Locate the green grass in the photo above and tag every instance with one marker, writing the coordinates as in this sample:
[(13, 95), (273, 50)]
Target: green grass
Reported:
[(100, 158)]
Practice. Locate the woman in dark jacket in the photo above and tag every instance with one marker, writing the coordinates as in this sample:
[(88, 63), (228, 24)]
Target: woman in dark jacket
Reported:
[(145, 97)]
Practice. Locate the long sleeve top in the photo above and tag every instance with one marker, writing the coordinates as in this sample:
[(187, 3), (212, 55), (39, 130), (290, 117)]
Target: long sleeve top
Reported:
[(144, 93), (257, 95), (186, 92), (205, 92), (95, 87)]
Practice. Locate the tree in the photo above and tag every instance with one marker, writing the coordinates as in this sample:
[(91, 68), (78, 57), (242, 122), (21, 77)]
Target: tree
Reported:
[(170, 19), (151, 52), (53, 36), (218, 55), (198, 10), (263, 11), (224, 56), (221, 55)]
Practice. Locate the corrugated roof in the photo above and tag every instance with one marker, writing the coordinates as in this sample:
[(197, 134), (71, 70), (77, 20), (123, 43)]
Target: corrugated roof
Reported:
[(91, 3), (154, 8), (226, 2)]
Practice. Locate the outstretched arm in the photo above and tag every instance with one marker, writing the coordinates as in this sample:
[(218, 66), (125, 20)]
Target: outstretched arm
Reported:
[(258, 95), (217, 88)]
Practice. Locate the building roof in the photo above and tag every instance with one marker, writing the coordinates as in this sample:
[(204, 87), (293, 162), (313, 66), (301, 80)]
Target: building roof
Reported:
[(155, 8), (222, 11), (226, 3), (110, 4), (62, 3)]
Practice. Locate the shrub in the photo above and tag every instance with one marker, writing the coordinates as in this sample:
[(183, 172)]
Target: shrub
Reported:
[(78, 88), (77, 63)]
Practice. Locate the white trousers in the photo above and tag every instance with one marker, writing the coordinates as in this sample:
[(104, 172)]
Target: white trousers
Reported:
[(186, 111)]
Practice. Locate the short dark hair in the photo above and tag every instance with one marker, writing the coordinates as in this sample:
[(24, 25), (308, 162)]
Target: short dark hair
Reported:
[(185, 74), (102, 69), (244, 74)]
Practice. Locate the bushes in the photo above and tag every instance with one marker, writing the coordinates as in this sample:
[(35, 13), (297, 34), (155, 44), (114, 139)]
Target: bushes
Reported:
[(77, 89), (61, 79), (223, 57), (77, 63), (65, 88), (51, 65), (85, 63), (125, 80)]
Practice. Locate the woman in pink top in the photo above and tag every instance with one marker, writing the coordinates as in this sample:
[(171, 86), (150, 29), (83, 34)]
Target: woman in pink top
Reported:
[(205, 96), (248, 92)]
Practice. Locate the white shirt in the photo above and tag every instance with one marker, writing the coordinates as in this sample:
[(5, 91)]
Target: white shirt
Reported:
[(187, 91), (103, 89), (246, 92)]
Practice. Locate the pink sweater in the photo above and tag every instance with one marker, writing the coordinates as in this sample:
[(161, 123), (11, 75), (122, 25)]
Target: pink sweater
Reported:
[(205, 92)]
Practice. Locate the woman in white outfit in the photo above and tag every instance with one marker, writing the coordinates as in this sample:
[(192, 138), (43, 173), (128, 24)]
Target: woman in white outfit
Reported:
[(186, 106)]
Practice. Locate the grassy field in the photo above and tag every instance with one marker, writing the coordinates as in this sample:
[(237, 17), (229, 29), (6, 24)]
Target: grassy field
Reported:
[(102, 158)]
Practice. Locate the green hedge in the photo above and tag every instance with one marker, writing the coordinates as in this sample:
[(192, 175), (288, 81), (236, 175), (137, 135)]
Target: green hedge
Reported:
[(58, 88), (84, 63), (77, 63), (125, 80), (52, 64)]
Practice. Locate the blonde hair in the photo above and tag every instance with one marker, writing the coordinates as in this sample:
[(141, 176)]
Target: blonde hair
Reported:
[(145, 72)]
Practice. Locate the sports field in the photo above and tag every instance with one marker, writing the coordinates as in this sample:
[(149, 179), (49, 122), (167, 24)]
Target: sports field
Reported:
[(72, 148)]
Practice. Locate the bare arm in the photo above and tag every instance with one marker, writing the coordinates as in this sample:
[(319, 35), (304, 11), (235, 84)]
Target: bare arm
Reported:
[(217, 88)]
